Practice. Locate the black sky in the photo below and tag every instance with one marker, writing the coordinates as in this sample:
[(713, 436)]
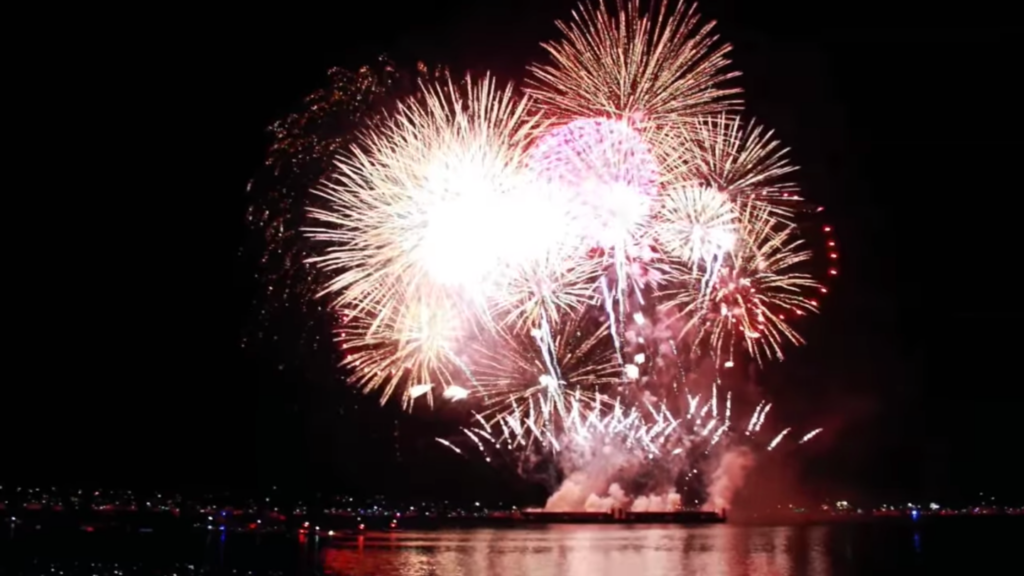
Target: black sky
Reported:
[(905, 123)]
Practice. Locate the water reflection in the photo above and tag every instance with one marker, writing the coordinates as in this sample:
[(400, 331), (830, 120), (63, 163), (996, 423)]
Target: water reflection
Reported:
[(985, 546), (819, 550), (586, 551)]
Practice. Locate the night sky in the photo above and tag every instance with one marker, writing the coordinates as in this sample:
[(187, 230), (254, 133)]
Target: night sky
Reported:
[(906, 127)]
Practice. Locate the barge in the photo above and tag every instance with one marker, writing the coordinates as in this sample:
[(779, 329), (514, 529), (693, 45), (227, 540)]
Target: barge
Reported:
[(621, 516)]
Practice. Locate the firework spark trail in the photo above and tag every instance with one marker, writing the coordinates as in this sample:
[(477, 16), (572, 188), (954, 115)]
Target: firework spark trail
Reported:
[(465, 370), (760, 420), (811, 434), (544, 341), (709, 427), (476, 440), (584, 425), (754, 417), (682, 375), (448, 444), (778, 438), (611, 317), (485, 435), (717, 436), (693, 401)]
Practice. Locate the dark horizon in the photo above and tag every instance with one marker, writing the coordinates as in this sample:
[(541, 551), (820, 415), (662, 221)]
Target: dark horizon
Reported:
[(897, 121)]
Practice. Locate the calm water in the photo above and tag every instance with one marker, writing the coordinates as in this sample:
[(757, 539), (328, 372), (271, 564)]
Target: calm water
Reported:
[(982, 546)]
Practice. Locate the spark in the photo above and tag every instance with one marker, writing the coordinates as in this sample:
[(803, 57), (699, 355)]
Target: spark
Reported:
[(419, 390), (761, 417), (811, 434), (753, 419), (448, 444), (778, 438), (456, 393)]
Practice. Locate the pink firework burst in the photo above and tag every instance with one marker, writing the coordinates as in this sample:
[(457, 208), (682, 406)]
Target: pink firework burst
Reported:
[(608, 169)]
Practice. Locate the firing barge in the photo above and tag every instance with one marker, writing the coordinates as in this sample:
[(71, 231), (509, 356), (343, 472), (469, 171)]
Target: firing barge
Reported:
[(620, 516)]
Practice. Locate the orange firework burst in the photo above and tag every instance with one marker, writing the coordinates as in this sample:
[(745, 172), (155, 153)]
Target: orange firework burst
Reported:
[(661, 67), (464, 245), (418, 230), (546, 364), (754, 293), (740, 159), (409, 349)]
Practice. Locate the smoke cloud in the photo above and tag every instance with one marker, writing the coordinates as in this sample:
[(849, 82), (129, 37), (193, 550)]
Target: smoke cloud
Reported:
[(581, 493), (653, 503), (728, 478)]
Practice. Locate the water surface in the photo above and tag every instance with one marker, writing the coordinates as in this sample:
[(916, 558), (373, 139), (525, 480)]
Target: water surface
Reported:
[(981, 546)]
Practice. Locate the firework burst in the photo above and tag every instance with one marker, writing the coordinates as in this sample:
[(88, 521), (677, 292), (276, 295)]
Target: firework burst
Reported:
[(563, 263), (662, 66), (413, 346), (697, 225), (609, 171), (754, 294), (304, 146), (547, 364), (740, 159), (418, 216)]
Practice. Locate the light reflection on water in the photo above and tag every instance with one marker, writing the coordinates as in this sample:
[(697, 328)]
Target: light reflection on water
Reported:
[(981, 546), (586, 551)]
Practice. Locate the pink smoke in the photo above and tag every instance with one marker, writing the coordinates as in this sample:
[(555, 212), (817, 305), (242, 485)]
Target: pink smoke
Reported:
[(728, 478)]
